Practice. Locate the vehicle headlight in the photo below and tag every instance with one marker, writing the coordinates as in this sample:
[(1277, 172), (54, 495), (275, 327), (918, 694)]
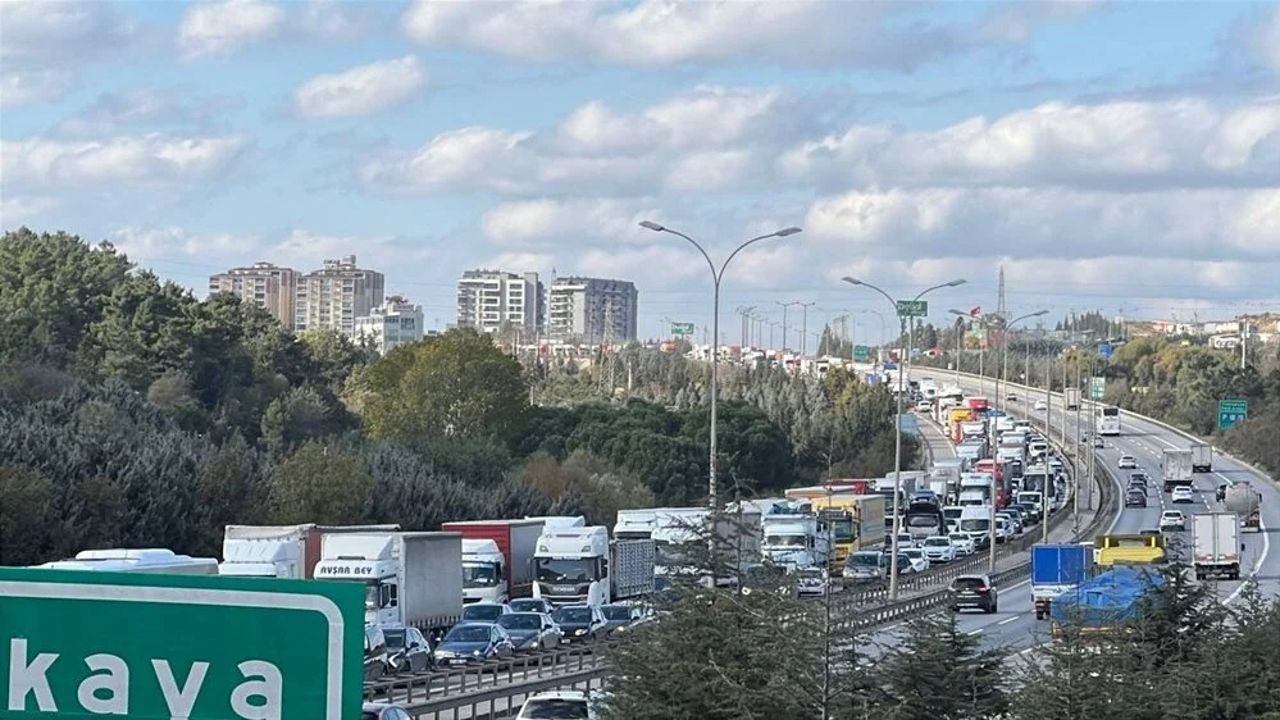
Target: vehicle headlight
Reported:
[(579, 632), (476, 653)]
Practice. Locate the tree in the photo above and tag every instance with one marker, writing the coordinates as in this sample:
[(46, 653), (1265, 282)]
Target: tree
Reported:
[(938, 671), (294, 418), (455, 385), (320, 483), (26, 515)]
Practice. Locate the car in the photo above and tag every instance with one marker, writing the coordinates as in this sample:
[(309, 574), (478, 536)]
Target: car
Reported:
[(962, 543), (1039, 405), (1139, 477), (484, 612), (580, 623), (531, 631), (1014, 522), (1135, 498), (939, 548), (905, 540), (1173, 520), (1030, 516), (1011, 397), (375, 652), (1127, 462), (1003, 529), (407, 650), (924, 406), (473, 642), (811, 581), (383, 711), (536, 605), (619, 617), (557, 705), (1183, 494), (1099, 443), (865, 566), (919, 563), (974, 591)]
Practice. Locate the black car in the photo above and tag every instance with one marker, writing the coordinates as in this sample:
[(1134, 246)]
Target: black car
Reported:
[(407, 650), (534, 605), (473, 642), (974, 591), (579, 622), (375, 652), (1136, 497), (1030, 515), (618, 617)]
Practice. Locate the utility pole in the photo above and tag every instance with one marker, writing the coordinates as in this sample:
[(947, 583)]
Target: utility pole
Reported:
[(804, 326), (784, 307), (1048, 433)]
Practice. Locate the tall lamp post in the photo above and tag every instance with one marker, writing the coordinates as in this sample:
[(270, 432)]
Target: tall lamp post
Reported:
[(904, 354), (1004, 356), (717, 275)]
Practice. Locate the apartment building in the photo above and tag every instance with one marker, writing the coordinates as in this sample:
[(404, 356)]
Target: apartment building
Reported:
[(490, 300), (395, 322), (592, 311), (335, 295), (268, 286)]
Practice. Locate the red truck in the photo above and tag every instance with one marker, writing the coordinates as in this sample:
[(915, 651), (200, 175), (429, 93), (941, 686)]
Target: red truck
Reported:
[(977, 404), (497, 557)]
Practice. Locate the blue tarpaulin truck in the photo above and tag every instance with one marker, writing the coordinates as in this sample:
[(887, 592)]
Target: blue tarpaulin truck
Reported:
[(1106, 601), (1057, 569)]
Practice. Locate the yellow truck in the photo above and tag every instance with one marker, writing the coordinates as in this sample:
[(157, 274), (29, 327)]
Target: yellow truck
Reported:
[(856, 522), (1145, 549)]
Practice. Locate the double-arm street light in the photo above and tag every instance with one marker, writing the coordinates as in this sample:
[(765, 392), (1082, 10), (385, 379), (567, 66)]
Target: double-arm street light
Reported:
[(717, 274), (903, 355)]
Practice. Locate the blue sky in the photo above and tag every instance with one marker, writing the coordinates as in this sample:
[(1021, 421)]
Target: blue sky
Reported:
[(1116, 156)]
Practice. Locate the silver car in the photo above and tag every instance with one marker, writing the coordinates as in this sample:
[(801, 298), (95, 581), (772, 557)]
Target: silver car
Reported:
[(531, 631)]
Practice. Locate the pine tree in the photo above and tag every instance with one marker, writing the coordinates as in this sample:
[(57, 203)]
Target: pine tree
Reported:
[(937, 672)]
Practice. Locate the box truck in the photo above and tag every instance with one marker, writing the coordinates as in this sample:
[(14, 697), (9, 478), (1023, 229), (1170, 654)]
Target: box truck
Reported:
[(1175, 469), (1201, 457), (281, 551), (497, 557), (410, 578), (1055, 570), (1215, 544)]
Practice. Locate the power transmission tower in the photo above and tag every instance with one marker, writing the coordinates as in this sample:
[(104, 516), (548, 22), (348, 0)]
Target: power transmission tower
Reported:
[(1001, 308)]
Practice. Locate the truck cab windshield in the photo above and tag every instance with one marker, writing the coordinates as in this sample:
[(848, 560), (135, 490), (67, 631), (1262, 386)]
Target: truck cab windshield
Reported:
[(795, 541), (841, 527), (577, 570), (473, 576)]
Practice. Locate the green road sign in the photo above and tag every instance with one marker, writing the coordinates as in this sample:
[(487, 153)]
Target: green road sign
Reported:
[(1097, 387), (84, 644), (913, 308), (861, 352), (681, 328), (1231, 412)]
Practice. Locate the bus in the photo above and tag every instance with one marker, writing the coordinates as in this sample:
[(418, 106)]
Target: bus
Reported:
[(1107, 420)]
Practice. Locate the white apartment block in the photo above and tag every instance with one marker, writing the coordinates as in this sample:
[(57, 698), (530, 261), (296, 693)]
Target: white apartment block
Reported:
[(335, 295), (268, 286), (489, 300), (592, 311), (393, 323)]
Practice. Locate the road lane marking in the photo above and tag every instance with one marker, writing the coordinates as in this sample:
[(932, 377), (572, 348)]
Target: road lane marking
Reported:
[(1009, 620), (971, 633)]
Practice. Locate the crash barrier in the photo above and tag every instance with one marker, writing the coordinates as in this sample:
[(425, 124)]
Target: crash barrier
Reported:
[(409, 689), (504, 701)]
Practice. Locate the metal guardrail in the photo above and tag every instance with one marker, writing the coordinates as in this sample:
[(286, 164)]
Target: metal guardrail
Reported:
[(503, 701)]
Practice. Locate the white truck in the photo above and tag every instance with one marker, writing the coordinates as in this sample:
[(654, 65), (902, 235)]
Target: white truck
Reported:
[(671, 529), (1201, 457), (280, 551), (1071, 398), (140, 560), (410, 578), (1175, 469), (497, 557), (1241, 499), (1215, 543), (795, 540), (581, 565)]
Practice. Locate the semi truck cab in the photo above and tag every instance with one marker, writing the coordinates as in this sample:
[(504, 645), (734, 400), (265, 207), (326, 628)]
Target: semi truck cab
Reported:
[(370, 560), (571, 565)]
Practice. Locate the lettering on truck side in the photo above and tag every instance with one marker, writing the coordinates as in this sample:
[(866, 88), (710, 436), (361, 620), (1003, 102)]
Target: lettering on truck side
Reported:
[(105, 689), (344, 570)]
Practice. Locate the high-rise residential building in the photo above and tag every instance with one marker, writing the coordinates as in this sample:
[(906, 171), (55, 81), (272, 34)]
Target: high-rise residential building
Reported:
[(490, 300), (395, 322), (268, 286), (335, 295), (592, 311)]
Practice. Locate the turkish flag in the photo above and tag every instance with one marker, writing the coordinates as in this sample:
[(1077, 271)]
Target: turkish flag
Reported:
[(976, 311)]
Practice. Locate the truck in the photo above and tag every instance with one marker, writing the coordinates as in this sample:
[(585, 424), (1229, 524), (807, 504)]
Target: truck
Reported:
[(1142, 549), (1175, 469), (411, 579), (1057, 569), (1071, 398), (673, 529), (1241, 499), (280, 551), (137, 560), (1201, 457), (1104, 603), (581, 565), (795, 540), (1215, 545), (497, 557)]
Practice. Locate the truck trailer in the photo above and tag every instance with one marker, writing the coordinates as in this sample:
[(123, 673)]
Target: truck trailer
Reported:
[(1201, 457), (280, 551), (497, 557), (1055, 570), (1241, 499), (1175, 469), (410, 578), (1215, 543)]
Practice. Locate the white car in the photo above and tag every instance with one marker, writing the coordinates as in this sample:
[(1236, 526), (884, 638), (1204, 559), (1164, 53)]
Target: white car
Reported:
[(962, 543), (1040, 405), (1127, 462), (557, 704), (1011, 397), (938, 548), (1183, 494), (383, 711), (919, 563), (1173, 520), (924, 406)]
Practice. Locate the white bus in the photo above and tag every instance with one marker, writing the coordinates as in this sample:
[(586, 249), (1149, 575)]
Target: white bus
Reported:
[(1107, 420)]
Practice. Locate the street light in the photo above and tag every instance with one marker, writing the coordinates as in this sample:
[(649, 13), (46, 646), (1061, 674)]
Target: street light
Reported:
[(897, 422), (1004, 356), (716, 276)]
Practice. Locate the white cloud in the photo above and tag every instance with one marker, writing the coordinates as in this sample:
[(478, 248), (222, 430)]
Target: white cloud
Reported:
[(547, 220), (218, 28), (523, 262), (362, 90), (57, 31), (15, 209), (660, 32), (1261, 38), (159, 243), (148, 159), (28, 87)]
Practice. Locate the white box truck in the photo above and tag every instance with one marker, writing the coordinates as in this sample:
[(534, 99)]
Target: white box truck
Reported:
[(1201, 457), (280, 551), (410, 578), (1215, 543), (1071, 398), (1175, 469)]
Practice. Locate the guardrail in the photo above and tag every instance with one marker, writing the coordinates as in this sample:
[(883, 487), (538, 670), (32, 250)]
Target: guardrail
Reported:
[(503, 702)]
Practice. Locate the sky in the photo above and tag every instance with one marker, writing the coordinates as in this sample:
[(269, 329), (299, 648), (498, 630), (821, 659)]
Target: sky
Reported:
[(1114, 156)]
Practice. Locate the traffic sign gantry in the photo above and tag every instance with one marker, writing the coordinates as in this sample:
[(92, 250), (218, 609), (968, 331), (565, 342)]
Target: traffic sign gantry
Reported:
[(913, 308), (1231, 412), (83, 644)]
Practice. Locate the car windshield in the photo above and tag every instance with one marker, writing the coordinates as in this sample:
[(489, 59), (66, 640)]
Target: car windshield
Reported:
[(959, 537), (520, 621), (797, 541), (468, 633), (867, 559), (572, 615), (616, 612), (394, 636), (975, 524), (482, 612), (937, 542), (554, 709)]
